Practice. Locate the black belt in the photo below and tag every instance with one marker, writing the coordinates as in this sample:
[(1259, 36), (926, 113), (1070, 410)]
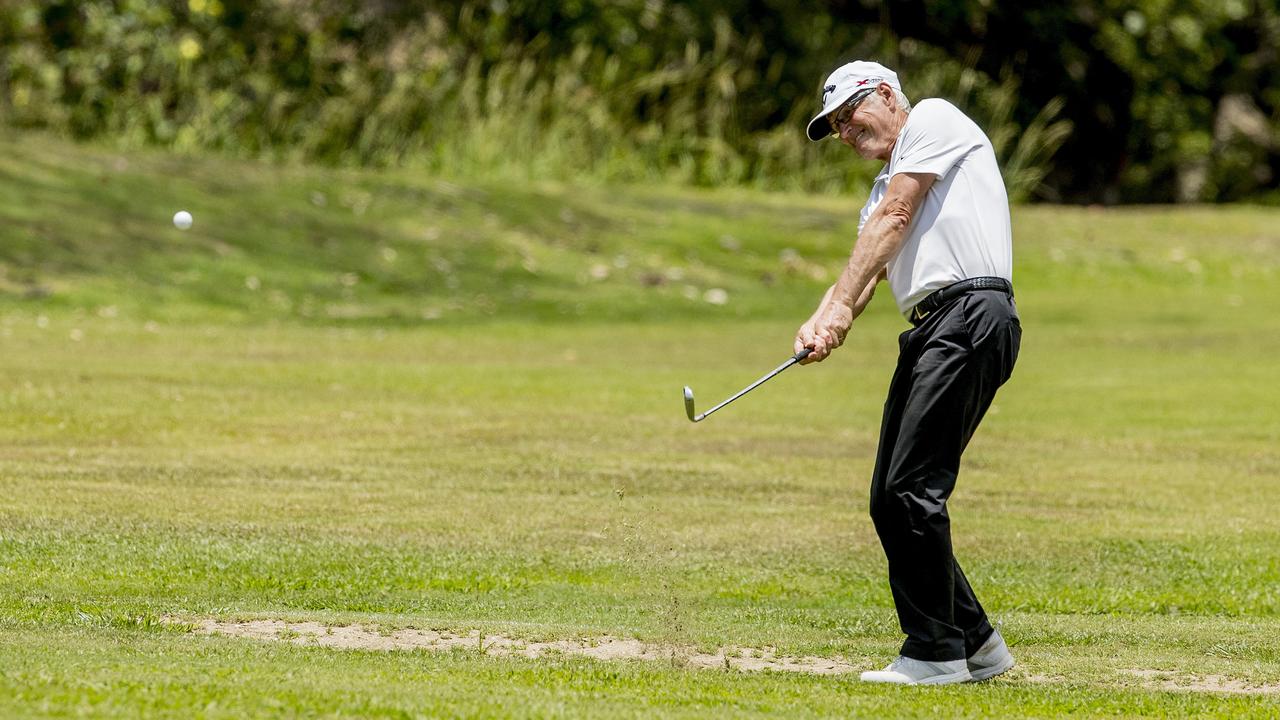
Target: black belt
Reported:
[(940, 298)]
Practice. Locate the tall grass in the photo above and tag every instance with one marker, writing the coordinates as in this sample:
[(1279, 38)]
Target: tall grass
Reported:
[(652, 92)]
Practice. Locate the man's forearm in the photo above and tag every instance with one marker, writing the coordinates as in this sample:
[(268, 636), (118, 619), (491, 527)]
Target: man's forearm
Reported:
[(822, 304), (881, 237), (863, 298), (876, 245), (861, 303)]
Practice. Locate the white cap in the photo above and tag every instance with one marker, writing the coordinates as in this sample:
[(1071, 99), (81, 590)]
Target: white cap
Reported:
[(842, 84)]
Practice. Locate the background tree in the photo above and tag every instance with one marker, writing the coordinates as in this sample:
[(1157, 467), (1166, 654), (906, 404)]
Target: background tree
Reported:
[(1088, 101)]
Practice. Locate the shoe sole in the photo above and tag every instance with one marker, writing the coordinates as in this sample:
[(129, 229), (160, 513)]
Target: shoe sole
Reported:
[(989, 672), (950, 679)]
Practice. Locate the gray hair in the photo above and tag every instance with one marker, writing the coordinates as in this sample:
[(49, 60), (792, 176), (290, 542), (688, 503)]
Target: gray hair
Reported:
[(903, 103)]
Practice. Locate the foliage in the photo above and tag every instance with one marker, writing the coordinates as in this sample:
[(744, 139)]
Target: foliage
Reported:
[(527, 90), (1205, 93), (1168, 101)]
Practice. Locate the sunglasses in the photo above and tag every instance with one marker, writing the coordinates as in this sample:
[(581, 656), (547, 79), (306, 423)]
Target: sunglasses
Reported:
[(841, 115)]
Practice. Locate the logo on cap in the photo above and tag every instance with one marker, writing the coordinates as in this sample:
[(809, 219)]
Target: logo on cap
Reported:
[(827, 91)]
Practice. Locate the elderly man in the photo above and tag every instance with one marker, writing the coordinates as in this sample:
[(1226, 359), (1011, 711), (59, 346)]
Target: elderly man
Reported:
[(936, 226)]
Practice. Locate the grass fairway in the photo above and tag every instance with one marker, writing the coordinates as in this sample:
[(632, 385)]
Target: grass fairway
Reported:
[(458, 409)]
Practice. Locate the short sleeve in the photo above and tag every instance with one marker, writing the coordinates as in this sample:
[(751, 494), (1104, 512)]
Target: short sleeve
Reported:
[(935, 139), (873, 199)]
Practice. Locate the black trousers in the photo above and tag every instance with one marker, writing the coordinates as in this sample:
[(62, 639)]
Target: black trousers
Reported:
[(949, 368)]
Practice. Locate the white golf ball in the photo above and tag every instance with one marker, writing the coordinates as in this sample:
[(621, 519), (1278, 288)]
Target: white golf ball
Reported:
[(182, 220)]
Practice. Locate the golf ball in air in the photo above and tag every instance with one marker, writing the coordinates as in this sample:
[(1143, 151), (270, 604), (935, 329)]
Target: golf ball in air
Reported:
[(182, 220)]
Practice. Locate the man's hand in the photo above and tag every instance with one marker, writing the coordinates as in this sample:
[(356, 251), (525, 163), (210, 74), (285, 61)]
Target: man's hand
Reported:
[(824, 332), (806, 339)]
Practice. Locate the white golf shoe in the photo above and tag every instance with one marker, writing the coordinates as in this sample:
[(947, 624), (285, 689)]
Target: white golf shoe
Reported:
[(991, 659), (909, 671)]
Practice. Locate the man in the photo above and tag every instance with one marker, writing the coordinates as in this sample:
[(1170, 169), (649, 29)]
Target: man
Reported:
[(936, 226)]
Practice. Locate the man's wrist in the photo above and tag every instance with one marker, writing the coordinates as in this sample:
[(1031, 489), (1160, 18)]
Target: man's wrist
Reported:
[(844, 297)]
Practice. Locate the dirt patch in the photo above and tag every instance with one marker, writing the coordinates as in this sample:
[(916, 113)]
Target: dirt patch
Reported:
[(1170, 680), (745, 659), (1037, 677), (357, 637)]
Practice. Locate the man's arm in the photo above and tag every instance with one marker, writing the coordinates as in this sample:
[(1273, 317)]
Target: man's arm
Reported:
[(879, 241), (804, 336)]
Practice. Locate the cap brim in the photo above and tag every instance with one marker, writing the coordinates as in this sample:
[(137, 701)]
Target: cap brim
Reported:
[(818, 127)]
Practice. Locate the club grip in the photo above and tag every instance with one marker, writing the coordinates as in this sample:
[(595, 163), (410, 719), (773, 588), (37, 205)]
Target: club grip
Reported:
[(803, 354)]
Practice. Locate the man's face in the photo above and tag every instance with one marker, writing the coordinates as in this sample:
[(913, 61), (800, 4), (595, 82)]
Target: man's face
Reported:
[(872, 129)]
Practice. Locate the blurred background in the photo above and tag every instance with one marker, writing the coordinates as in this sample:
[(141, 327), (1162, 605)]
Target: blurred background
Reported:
[(1090, 101)]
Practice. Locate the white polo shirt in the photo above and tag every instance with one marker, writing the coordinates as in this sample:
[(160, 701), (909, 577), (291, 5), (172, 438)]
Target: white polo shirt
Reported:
[(962, 230)]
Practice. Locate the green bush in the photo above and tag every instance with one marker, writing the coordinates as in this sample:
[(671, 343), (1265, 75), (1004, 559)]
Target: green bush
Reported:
[(617, 90)]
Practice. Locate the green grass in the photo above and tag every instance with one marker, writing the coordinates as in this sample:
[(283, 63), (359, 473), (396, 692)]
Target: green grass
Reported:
[(523, 465)]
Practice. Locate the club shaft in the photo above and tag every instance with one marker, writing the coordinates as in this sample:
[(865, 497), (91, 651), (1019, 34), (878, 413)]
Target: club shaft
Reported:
[(790, 361)]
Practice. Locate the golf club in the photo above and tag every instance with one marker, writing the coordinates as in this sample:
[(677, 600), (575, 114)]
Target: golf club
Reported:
[(688, 391)]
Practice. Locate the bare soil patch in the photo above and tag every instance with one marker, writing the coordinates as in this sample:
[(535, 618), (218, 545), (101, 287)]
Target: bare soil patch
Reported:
[(744, 659), (357, 637), (1170, 680)]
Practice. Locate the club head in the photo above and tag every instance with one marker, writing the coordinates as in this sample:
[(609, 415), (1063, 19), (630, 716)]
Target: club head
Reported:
[(688, 404)]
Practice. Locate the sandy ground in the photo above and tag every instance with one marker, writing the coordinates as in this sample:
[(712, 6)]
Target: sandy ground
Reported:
[(1169, 680), (356, 637), (746, 659)]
